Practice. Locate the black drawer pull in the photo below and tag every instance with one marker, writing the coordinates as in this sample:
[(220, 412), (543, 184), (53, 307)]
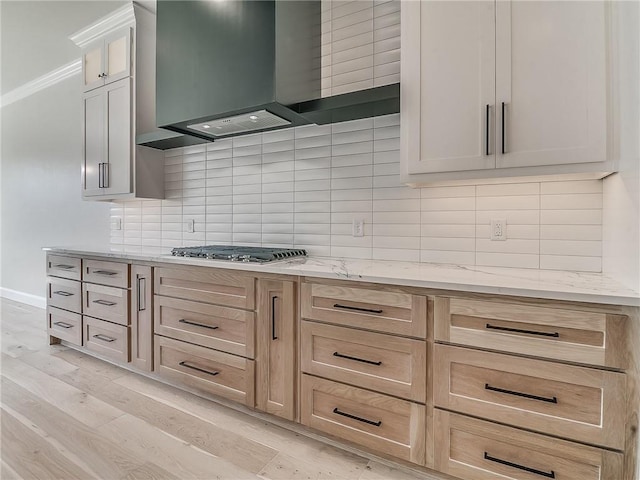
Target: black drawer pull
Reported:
[(370, 362), (273, 318), (104, 338), (357, 309), (520, 394), (63, 266), (193, 367), (550, 474), (517, 330), (188, 322), (108, 273), (63, 324), (105, 303), (360, 419), (62, 293)]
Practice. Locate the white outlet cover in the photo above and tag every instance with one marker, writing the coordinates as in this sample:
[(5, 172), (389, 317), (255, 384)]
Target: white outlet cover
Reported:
[(189, 226), (499, 229), (358, 227)]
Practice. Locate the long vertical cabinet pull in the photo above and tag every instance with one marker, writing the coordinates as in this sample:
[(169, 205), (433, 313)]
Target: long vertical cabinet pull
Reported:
[(503, 129), (105, 175), (273, 318), (141, 315), (487, 130), (100, 183)]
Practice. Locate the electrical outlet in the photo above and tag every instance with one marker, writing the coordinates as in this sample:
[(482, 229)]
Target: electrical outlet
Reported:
[(498, 229), (116, 223), (190, 225), (358, 227)]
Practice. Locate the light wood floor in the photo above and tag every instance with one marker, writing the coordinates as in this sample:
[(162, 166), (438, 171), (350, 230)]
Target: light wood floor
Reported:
[(66, 415)]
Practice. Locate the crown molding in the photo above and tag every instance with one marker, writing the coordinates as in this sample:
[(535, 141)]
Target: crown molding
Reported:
[(119, 18), (40, 83)]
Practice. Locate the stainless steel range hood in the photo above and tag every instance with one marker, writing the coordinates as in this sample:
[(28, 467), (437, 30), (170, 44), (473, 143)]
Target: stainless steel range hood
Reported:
[(229, 67)]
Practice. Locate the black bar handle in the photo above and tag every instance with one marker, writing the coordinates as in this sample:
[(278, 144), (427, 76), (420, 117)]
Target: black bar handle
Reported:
[(189, 322), (520, 394), (105, 303), (105, 168), (99, 174), (518, 330), (62, 293), (104, 338), (550, 474), (63, 324), (141, 293), (107, 273), (486, 138), (360, 419), (357, 309), (273, 318), (370, 362), (193, 367), (63, 266), (503, 130)]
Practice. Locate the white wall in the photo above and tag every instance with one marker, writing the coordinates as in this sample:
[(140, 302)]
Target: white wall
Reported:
[(622, 190), (41, 142)]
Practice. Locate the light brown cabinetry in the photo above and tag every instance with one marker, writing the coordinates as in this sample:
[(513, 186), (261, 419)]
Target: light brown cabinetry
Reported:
[(106, 338), (141, 317), (64, 325), (64, 299), (276, 372), (65, 294), (474, 449), (64, 267)]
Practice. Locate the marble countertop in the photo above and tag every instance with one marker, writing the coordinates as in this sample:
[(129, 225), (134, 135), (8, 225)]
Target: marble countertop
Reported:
[(548, 284)]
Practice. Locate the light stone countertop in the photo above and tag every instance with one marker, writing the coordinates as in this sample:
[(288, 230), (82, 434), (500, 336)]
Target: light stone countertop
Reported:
[(547, 284)]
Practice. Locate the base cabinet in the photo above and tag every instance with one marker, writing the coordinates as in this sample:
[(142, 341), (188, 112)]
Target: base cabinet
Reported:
[(141, 315)]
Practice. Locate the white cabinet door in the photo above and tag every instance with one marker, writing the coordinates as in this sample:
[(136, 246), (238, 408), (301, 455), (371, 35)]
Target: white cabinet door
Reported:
[(119, 138), (551, 75), (93, 142), (107, 60), (448, 85)]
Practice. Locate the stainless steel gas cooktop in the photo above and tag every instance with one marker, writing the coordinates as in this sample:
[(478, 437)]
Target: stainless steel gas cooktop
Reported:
[(238, 253)]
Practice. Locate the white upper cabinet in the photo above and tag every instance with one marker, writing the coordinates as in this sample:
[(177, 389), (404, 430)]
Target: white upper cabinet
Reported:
[(107, 60), (504, 89)]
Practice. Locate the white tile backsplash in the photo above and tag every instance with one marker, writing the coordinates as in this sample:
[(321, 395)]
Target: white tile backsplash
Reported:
[(303, 188)]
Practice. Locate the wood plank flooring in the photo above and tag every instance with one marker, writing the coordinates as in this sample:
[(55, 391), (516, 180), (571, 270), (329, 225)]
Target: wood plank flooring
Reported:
[(66, 415)]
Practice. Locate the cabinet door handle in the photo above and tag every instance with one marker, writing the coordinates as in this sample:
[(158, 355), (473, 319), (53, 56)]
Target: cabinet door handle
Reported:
[(62, 293), (520, 394), (370, 362), (357, 309), (63, 266), (194, 367), (360, 419), (63, 324), (273, 318), (100, 176), (518, 330), (487, 131), (503, 130), (106, 273), (188, 322), (104, 338), (141, 294), (105, 303), (105, 174), (550, 474)]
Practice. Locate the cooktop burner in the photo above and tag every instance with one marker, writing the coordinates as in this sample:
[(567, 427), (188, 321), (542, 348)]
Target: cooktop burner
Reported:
[(238, 253)]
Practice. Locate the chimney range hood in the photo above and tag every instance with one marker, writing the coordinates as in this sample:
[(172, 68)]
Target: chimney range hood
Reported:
[(230, 67)]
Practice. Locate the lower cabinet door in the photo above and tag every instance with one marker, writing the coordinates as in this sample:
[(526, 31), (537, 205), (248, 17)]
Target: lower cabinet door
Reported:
[(387, 424), (478, 450), (204, 369), (64, 325), (106, 338)]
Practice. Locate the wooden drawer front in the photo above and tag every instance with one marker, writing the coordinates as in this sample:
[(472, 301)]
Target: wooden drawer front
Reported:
[(477, 450), (580, 403), (392, 365), (204, 369), (387, 424), (558, 333), (223, 328), (393, 312), (107, 303), (208, 285), (113, 274), (65, 294), (64, 325), (106, 338), (65, 267)]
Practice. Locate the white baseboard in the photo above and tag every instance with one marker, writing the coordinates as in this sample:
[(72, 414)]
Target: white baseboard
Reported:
[(29, 299)]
